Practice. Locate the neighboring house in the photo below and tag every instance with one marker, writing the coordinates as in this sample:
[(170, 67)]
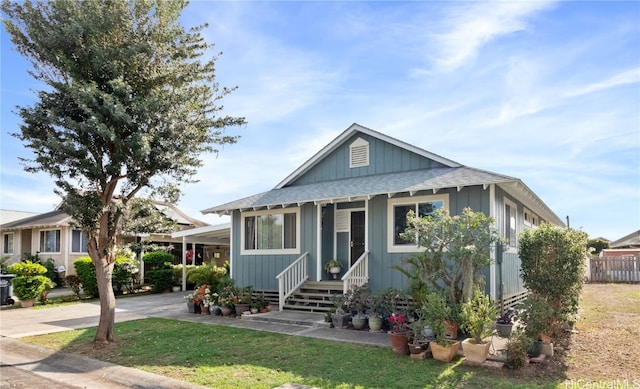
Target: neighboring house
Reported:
[(53, 235), (7, 216), (350, 200), (627, 242)]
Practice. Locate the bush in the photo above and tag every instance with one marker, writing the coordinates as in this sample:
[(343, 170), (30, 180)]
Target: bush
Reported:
[(160, 279), (158, 260), (125, 274), (29, 287), (87, 274), (208, 274), (50, 265), (27, 269), (75, 284), (553, 267)]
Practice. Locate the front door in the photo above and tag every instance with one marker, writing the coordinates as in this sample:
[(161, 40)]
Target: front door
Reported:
[(357, 236)]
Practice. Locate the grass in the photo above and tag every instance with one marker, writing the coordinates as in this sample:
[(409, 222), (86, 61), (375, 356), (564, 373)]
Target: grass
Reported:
[(227, 357)]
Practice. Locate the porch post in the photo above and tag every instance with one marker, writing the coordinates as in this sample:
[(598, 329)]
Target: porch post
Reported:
[(184, 263), (319, 242), (493, 269)]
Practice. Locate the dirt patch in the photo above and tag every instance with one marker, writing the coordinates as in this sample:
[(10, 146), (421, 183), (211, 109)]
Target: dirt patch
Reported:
[(604, 346)]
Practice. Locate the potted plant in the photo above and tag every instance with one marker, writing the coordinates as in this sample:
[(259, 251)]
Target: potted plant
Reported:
[(334, 267), (398, 323), (29, 282), (478, 317), (341, 316), (536, 315), (356, 300), (226, 299), (504, 323), (436, 311), (378, 307)]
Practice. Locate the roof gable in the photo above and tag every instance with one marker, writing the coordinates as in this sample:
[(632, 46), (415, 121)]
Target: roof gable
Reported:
[(386, 155)]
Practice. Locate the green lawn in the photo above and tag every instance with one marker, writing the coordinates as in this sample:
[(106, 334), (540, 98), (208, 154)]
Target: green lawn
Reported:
[(227, 357)]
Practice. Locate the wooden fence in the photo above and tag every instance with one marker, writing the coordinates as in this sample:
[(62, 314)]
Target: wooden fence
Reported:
[(614, 269)]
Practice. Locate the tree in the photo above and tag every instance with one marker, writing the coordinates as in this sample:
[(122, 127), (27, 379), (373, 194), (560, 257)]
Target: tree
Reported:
[(130, 106), (455, 249), (553, 268), (597, 245)]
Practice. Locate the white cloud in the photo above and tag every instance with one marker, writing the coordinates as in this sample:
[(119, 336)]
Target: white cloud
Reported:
[(470, 27), (627, 77)]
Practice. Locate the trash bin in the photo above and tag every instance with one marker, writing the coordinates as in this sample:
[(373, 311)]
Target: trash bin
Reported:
[(5, 289)]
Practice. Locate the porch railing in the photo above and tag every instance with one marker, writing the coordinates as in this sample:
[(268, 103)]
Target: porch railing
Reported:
[(292, 278), (358, 274)]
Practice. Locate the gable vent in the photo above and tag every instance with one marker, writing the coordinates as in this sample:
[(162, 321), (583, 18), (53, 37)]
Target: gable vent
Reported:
[(359, 153)]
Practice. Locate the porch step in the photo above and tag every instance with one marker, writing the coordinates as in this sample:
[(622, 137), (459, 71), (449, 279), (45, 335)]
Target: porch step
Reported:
[(308, 319), (314, 296)]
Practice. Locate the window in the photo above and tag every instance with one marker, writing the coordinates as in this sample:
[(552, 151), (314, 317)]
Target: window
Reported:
[(359, 153), (270, 232), (527, 217), (7, 246), (50, 241), (397, 216), (78, 241), (510, 223)]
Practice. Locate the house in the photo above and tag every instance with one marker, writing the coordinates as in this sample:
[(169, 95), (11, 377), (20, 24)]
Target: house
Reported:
[(630, 241), (350, 200), (54, 235)]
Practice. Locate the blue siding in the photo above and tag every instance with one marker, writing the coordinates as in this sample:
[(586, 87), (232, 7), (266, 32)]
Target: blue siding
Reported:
[(260, 271), (383, 158)]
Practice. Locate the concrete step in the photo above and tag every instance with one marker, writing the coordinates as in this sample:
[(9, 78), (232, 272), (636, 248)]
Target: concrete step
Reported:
[(308, 319)]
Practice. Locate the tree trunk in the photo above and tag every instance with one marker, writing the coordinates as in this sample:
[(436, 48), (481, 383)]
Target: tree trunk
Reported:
[(467, 279), (104, 271)]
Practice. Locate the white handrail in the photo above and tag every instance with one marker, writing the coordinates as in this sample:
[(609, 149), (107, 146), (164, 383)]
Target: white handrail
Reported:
[(358, 274), (291, 278)]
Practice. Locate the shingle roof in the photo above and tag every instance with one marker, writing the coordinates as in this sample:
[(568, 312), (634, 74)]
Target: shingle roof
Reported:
[(49, 219), (367, 186), (631, 240)]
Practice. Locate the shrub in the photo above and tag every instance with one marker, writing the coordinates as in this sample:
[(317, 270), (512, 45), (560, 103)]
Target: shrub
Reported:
[(160, 279), (75, 284), (158, 260), (517, 348), (125, 274), (87, 274), (209, 274), (478, 316), (50, 265), (553, 267), (27, 269), (29, 287)]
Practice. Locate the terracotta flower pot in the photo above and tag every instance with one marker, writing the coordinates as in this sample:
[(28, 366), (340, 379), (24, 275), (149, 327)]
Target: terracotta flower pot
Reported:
[(399, 342), (444, 353)]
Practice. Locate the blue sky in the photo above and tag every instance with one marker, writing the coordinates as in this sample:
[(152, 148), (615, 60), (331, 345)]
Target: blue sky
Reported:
[(548, 92)]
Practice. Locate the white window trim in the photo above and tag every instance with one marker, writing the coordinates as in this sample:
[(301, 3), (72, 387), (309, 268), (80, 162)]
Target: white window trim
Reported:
[(391, 203), (59, 242), (243, 215), (514, 207), (71, 241), (13, 244)]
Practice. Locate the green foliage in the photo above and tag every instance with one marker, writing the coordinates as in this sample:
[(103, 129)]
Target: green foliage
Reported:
[(518, 345), (125, 274), (48, 286), (455, 249), (51, 273), (27, 269), (553, 268), (158, 260), (86, 271), (160, 279), (435, 311), (28, 287), (208, 274), (537, 316), (478, 316), (597, 245), (75, 284)]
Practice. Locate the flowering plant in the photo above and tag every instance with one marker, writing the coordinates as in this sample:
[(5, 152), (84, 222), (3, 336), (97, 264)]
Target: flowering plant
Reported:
[(227, 297), (399, 322), (202, 296), (357, 297)]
